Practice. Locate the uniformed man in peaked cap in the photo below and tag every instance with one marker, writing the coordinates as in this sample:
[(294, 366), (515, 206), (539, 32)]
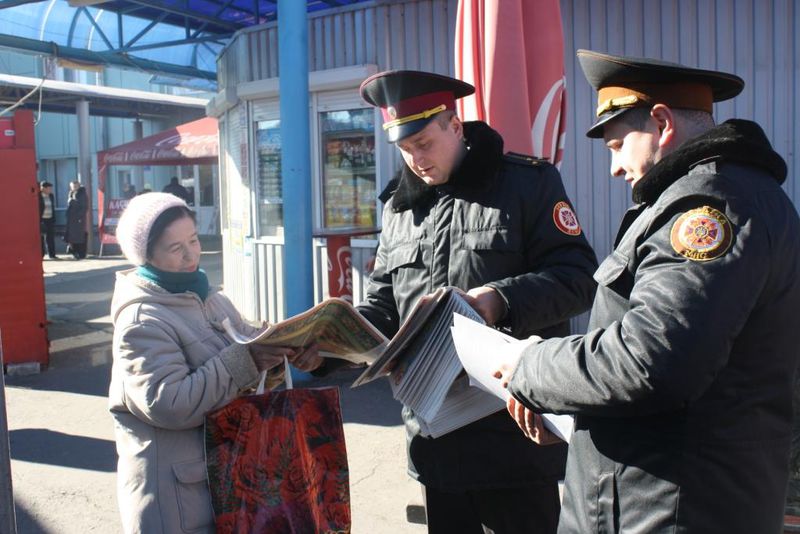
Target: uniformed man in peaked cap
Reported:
[(682, 386), (501, 228)]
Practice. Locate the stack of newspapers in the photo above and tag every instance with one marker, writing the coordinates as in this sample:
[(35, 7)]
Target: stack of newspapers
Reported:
[(463, 404), (425, 372), (430, 366)]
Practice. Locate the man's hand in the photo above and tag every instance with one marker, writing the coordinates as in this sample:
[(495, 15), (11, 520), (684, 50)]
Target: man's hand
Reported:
[(487, 302), (510, 355), (531, 423), (504, 372)]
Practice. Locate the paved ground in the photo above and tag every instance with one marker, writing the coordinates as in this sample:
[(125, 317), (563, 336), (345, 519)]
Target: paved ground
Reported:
[(62, 443)]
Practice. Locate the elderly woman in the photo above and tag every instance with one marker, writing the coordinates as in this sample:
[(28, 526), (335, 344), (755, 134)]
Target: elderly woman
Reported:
[(173, 364)]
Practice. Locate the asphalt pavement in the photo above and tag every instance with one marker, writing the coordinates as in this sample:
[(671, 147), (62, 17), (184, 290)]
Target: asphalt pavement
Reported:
[(63, 460)]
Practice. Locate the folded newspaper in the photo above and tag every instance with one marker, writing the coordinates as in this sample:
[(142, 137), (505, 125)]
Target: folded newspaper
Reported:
[(334, 325)]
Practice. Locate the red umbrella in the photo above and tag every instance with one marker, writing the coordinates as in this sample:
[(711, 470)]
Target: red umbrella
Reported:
[(513, 53)]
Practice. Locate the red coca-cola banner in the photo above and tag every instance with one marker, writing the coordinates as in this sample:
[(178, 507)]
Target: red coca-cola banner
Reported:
[(195, 142)]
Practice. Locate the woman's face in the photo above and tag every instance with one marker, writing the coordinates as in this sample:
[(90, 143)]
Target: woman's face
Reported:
[(178, 248)]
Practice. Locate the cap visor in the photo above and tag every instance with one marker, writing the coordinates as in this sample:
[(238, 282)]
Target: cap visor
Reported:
[(398, 133), (596, 131)]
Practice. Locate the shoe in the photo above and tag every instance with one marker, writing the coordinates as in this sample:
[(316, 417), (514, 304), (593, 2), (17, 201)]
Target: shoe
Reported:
[(54, 258)]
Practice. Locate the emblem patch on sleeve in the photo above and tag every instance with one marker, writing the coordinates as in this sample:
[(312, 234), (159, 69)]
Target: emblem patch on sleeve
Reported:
[(565, 219), (702, 234)]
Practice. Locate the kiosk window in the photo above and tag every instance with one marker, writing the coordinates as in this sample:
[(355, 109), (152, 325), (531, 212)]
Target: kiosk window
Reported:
[(348, 168), (270, 182)]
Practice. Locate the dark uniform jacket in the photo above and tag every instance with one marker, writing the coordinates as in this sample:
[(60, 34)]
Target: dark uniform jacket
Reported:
[(683, 383), (491, 224)]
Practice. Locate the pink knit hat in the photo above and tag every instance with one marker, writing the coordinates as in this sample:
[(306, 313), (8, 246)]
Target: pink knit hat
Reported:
[(136, 221)]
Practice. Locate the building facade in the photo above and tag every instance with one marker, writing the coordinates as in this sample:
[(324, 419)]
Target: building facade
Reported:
[(57, 138), (352, 162)]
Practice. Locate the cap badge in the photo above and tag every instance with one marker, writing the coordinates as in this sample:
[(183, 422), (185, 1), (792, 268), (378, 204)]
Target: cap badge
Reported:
[(701, 234), (392, 112), (617, 103), (565, 219)]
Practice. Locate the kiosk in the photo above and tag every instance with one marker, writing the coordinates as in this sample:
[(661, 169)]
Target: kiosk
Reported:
[(23, 315)]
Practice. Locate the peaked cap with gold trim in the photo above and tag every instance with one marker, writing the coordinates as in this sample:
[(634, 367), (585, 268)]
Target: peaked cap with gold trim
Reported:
[(625, 83), (409, 99)]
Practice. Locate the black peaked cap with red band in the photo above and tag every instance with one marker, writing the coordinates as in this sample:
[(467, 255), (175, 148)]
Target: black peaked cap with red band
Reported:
[(409, 99)]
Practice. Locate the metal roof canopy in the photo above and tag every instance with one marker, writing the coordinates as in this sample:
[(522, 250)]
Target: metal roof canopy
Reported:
[(62, 97), (176, 36), (212, 16)]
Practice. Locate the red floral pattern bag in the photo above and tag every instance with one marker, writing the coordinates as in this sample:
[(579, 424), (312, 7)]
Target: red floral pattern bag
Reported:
[(277, 463)]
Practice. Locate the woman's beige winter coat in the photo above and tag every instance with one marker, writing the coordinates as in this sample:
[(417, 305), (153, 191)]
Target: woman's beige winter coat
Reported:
[(173, 364)]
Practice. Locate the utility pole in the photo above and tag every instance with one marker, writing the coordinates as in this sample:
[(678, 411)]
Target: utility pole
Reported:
[(298, 268), (85, 165)]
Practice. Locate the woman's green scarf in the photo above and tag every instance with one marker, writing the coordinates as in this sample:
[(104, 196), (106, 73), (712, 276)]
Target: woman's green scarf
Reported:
[(196, 282)]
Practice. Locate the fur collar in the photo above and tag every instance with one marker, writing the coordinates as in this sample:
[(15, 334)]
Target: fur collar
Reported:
[(476, 171), (736, 140)]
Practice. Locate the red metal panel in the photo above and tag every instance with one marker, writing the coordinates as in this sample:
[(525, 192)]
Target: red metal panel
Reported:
[(23, 316), (6, 132), (23, 130)]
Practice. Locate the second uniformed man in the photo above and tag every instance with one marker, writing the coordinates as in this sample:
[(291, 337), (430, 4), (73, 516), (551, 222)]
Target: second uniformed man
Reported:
[(502, 229), (682, 386)]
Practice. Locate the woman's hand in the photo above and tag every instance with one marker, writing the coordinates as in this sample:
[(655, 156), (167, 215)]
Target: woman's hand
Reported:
[(306, 358), (266, 357)]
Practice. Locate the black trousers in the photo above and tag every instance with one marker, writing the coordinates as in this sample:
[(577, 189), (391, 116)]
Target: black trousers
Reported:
[(532, 510), (78, 250), (48, 231)]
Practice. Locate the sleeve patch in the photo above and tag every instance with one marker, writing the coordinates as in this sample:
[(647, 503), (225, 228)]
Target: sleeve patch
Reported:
[(702, 234), (565, 219)]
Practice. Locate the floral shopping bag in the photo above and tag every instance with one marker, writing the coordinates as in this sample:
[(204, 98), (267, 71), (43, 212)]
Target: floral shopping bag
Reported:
[(277, 464)]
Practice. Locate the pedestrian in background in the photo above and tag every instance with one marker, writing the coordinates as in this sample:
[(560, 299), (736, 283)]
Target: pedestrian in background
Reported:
[(682, 386), (75, 232), (500, 228), (173, 364), (175, 188), (47, 219), (128, 191)]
